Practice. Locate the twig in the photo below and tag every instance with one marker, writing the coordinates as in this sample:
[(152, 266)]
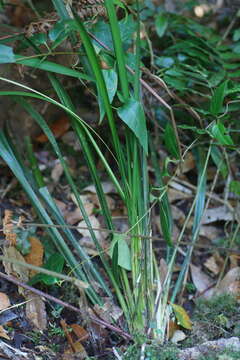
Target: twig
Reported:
[(64, 304)]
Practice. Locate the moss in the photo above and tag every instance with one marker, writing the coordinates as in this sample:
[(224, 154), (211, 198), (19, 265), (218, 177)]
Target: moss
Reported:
[(213, 319), (152, 352), (227, 354)]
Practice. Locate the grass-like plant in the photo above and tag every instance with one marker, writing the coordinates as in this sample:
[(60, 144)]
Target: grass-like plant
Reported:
[(131, 268)]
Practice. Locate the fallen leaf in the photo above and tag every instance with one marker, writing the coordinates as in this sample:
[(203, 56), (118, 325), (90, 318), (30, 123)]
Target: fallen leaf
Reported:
[(35, 257), (10, 235), (210, 232), (201, 281), (220, 213), (230, 283), (172, 327), (214, 263), (108, 188), (85, 232), (19, 271), (57, 171), (58, 127), (4, 301), (61, 206), (87, 203), (108, 312), (174, 195), (80, 332), (234, 260), (178, 336), (163, 270), (36, 311), (72, 217), (188, 163), (178, 215), (3, 334), (182, 316)]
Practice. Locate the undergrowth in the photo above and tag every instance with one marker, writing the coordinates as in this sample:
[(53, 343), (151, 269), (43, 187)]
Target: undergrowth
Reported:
[(195, 108)]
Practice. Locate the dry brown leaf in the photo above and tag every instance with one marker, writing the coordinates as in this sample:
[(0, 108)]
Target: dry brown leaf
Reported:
[(19, 271), (57, 171), (201, 281), (163, 270), (35, 310), (234, 260), (214, 263), (108, 311), (220, 213), (108, 188), (95, 224), (174, 195), (3, 333), (72, 217), (59, 127), (188, 163), (178, 336), (178, 214), (61, 206), (230, 283), (210, 232), (10, 235), (172, 327), (4, 301), (80, 332), (87, 203), (35, 257)]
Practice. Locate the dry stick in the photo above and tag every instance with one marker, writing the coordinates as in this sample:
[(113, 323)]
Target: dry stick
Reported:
[(64, 304), (79, 283)]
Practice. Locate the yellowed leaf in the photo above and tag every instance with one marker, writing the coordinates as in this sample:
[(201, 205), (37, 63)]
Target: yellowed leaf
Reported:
[(182, 316)]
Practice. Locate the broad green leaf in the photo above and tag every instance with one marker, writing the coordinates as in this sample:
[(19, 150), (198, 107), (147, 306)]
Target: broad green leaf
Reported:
[(161, 24), (124, 255), (219, 132), (216, 102), (54, 263), (236, 35), (182, 316), (6, 55), (171, 142), (133, 115), (235, 187), (111, 81)]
